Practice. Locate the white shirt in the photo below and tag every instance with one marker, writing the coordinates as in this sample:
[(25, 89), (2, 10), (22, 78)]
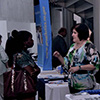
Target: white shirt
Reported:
[(3, 60)]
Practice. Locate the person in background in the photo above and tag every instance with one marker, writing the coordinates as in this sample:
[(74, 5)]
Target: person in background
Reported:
[(23, 59), (90, 33), (59, 44), (39, 35), (8, 47), (3, 67), (82, 60)]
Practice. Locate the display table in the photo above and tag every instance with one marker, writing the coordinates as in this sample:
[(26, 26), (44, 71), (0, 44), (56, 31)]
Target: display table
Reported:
[(82, 97), (56, 91), (48, 91)]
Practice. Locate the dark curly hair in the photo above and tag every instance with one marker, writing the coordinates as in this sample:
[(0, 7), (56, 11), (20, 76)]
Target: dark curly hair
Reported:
[(21, 38)]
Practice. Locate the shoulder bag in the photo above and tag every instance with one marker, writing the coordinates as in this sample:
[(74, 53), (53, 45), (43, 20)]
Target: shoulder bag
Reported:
[(19, 83)]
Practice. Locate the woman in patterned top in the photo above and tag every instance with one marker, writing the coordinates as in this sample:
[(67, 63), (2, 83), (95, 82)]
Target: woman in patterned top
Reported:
[(82, 60)]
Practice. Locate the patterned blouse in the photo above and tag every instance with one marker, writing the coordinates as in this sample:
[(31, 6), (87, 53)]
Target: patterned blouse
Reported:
[(24, 59), (87, 54)]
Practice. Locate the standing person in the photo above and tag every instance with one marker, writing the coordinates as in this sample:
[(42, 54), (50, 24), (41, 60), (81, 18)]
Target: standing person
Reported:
[(82, 60), (8, 47), (90, 33), (59, 44), (23, 60), (39, 35), (3, 66)]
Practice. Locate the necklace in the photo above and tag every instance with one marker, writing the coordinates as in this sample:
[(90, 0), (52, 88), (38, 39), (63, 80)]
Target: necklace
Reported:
[(80, 44)]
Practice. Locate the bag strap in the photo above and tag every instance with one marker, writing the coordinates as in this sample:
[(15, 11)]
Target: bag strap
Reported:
[(13, 76), (14, 61)]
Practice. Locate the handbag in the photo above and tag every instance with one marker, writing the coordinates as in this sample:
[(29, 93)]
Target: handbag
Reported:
[(18, 83)]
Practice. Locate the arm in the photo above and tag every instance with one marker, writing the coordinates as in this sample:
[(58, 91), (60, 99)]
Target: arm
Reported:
[(7, 65), (33, 71), (87, 67), (92, 57), (3, 55)]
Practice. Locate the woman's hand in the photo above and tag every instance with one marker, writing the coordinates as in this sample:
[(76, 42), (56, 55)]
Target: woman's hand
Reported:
[(73, 69), (56, 54)]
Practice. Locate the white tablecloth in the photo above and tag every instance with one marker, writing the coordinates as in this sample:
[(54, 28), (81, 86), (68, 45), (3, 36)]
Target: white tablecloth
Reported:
[(56, 91), (82, 97)]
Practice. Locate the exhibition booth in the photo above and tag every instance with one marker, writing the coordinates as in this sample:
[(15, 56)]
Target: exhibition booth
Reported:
[(52, 85)]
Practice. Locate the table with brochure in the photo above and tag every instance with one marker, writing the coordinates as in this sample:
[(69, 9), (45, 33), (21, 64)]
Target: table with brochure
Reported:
[(56, 91), (53, 84)]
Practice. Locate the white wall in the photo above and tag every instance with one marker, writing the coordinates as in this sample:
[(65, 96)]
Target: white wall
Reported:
[(33, 30), (96, 21), (6, 27), (57, 21), (3, 32), (17, 10)]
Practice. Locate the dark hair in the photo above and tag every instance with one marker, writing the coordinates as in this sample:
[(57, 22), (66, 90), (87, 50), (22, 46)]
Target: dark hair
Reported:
[(62, 30), (24, 35), (14, 33), (83, 31), (15, 45), (21, 38)]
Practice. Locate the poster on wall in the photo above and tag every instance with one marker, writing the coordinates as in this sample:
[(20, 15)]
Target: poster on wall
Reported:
[(44, 36)]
